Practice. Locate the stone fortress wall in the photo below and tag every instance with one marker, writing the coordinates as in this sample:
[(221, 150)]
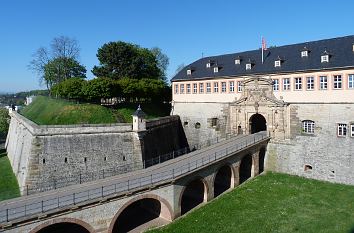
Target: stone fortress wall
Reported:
[(47, 156)]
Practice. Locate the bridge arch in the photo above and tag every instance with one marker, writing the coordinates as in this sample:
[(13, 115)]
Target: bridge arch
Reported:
[(257, 123), (224, 179), (148, 206), (261, 156), (245, 169), (64, 225), (193, 194)]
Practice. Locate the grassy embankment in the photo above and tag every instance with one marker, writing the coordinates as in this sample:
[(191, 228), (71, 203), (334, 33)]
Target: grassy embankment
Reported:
[(274, 203), (47, 111), (8, 183)]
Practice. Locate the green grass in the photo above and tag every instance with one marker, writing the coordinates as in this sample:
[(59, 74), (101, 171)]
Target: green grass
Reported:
[(47, 111), (274, 203), (8, 183)]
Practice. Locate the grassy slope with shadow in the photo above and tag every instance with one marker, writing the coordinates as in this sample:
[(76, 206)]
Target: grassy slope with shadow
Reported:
[(274, 203), (47, 111), (8, 183)]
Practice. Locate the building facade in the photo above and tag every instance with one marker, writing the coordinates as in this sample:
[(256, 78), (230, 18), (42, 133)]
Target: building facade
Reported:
[(303, 94)]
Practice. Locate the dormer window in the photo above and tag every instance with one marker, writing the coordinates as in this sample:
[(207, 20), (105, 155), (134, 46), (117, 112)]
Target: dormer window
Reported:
[(208, 65), (216, 69), (304, 53), (248, 66), (238, 60), (277, 63), (353, 47), (325, 58), (189, 72)]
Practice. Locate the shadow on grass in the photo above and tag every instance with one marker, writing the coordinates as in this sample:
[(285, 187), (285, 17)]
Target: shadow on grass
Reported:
[(2, 153)]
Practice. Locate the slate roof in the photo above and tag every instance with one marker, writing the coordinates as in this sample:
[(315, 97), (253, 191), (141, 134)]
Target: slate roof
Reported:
[(339, 49)]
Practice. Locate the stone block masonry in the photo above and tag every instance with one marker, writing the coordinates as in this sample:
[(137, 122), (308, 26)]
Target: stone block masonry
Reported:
[(40, 154)]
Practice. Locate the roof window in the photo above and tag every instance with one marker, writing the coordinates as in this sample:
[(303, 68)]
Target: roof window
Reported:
[(304, 52), (277, 63), (216, 69), (325, 56), (237, 60), (189, 72), (248, 66)]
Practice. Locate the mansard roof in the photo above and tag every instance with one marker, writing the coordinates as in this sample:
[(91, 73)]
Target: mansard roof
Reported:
[(340, 49)]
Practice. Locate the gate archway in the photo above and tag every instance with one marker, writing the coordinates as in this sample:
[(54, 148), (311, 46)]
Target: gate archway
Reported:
[(222, 180), (257, 123)]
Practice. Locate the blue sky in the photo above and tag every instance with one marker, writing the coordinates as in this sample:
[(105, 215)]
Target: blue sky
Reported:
[(183, 29)]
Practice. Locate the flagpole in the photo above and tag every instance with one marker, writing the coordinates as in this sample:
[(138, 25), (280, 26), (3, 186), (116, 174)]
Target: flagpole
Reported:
[(262, 47)]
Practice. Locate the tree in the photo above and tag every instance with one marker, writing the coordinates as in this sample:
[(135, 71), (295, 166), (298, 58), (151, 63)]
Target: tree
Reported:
[(120, 59), (4, 122), (162, 62), (95, 89), (69, 89), (62, 68), (61, 48)]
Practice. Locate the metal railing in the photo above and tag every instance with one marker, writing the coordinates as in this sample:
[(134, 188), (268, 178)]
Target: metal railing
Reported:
[(126, 184), (55, 182)]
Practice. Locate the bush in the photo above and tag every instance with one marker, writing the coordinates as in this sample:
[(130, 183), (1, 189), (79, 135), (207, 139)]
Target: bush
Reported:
[(4, 122)]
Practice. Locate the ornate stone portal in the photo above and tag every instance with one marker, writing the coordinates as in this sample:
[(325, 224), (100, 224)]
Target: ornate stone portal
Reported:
[(256, 105)]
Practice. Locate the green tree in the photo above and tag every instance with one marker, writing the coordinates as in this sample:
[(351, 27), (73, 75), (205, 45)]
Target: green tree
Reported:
[(61, 69), (70, 89), (95, 89), (4, 122), (120, 59), (61, 47), (162, 62)]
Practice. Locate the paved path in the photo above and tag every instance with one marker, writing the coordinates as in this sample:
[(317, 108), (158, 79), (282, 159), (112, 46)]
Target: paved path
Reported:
[(64, 198)]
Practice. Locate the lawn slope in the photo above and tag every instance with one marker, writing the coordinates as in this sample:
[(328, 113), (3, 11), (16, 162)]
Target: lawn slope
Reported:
[(47, 111), (8, 183), (274, 203)]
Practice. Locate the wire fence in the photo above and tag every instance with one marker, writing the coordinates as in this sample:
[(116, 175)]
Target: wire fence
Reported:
[(31, 208)]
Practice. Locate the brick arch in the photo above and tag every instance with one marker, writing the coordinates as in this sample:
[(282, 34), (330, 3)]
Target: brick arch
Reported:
[(233, 173), (206, 191), (240, 165), (63, 220), (163, 201)]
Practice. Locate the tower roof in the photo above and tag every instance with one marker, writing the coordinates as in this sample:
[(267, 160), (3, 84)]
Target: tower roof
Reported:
[(139, 112)]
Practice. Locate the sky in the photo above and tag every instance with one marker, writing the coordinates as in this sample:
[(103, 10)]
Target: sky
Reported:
[(184, 30)]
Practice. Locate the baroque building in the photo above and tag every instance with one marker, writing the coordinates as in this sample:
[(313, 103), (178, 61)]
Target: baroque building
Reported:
[(302, 94)]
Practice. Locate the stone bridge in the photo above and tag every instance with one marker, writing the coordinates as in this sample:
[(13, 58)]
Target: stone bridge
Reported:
[(137, 200)]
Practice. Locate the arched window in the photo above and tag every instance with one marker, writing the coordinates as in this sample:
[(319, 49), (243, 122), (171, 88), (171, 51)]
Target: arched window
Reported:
[(308, 127)]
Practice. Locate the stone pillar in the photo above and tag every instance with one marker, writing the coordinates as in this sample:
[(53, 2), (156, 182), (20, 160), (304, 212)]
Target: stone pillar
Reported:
[(255, 164)]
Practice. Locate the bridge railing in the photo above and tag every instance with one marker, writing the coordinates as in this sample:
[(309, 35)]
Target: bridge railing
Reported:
[(80, 177), (47, 205)]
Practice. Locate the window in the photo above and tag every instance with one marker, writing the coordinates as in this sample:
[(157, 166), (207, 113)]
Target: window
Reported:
[(248, 66), (216, 69), (324, 58), (182, 88), (341, 130), (286, 84), (189, 72), (176, 88), (195, 88), (208, 87), (276, 84), (304, 54), (188, 88), (197, 125), (323, 83), (277, 64), (308, 127), (239, 86), (232, 86), (214, 122), (201, 87), (351, 81), (223, 86), (208, 65), (352, 130), (310, 83), (237, 61), (216, 87), (337, 81), (298, 83)]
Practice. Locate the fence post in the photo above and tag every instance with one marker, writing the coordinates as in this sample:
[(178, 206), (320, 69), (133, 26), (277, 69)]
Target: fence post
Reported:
[(42, 206), (80, 177), (103, 173), (128, 185), (7, 215), (74, 198), (27, 190), (102, 191), (173, 154)]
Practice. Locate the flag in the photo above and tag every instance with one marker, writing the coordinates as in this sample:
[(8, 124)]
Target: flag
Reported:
[(264, 45)]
